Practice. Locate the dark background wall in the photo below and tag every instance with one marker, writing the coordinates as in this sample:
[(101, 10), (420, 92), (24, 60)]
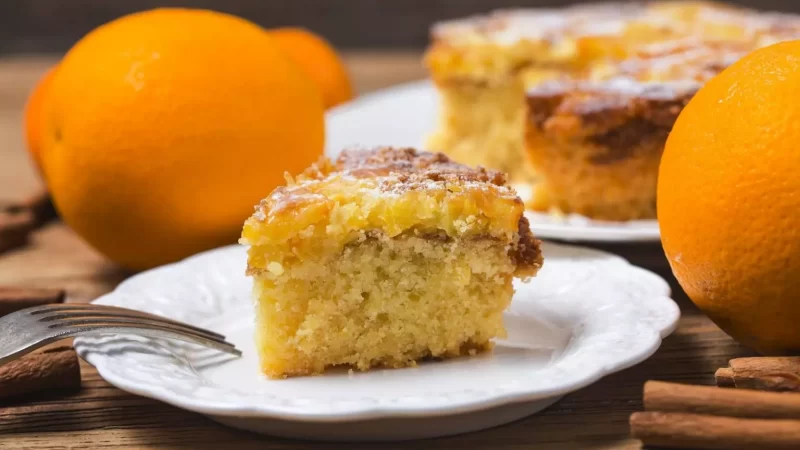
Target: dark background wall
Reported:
[(54, 25)]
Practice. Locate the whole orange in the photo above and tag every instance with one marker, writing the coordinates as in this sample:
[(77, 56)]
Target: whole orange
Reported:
[(165, 127), (320, 61), (729, 199), (34, 116)]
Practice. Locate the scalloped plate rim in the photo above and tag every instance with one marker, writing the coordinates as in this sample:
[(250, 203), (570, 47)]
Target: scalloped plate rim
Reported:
[(217, 408)]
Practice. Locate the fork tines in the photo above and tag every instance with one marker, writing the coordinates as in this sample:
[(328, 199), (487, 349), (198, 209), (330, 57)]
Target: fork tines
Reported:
[(91, 317)]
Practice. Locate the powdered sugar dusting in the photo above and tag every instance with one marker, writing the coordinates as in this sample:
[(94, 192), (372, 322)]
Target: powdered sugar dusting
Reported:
[(620, 86), (382, 173), (507, 27)]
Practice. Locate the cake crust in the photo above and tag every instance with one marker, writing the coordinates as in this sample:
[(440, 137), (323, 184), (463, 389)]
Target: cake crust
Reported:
[(397, 189), (415, 168), (637, 23), (602, 110)]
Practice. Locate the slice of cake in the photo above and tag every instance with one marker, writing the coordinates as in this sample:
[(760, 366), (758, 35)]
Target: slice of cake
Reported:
[(382, 258)]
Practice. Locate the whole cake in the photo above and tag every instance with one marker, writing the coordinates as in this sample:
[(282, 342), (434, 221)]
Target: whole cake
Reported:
[(502, 76), (382, 258)]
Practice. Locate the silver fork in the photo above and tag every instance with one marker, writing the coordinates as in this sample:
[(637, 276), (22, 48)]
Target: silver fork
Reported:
[(24, 331)]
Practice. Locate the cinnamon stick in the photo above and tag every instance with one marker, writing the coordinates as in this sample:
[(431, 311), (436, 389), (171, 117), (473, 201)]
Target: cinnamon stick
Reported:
[(724, 377), (762, 373), (678, 430), (15, 227), (50, 369), (16, 298), (19, 219), (39, 204), (682, 398)]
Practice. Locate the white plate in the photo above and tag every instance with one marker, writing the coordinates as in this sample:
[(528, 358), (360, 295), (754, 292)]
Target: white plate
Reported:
[(587, 314), (404, 115), (578, 228)]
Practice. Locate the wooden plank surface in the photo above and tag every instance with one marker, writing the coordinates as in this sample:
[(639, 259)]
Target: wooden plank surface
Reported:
[(101, 416)]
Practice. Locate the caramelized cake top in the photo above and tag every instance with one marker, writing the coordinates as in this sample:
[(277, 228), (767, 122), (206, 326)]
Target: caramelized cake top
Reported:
[(594, 38), (608, 109), (546, 24), (391, 191), (408, 169), (678, 61), (618, 118), (641, 94), (633, 21)]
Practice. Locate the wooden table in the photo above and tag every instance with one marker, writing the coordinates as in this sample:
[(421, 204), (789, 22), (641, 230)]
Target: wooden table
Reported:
[(100, 416)]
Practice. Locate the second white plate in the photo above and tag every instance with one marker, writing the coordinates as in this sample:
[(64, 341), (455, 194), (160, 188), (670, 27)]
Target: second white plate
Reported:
[(404, 115)]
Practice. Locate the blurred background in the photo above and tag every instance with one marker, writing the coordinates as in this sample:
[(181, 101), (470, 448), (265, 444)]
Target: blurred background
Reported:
[(52, 26)]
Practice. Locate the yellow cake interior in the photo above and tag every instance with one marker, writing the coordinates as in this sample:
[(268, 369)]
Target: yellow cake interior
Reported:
[(380, 304)]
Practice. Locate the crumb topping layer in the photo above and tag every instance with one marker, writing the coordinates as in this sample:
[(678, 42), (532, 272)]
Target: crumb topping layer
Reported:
[(645, 21), (648, 41), (391, 191), (618, 114), (546, 24)]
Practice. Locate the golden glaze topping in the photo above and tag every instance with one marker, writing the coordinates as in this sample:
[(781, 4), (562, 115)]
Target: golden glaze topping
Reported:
[(598, 106), (642, 22), (615, 123), (648, 41), (390, 171), (412, 166), (390, 191)]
